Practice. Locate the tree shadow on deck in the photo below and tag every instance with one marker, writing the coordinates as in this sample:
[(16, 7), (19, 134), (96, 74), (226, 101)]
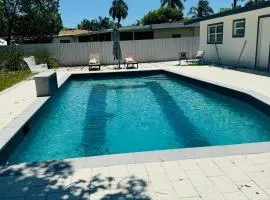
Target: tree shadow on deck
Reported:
[(58, 180)]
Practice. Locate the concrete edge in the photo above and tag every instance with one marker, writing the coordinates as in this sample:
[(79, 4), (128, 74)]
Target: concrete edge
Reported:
[(134, 158)]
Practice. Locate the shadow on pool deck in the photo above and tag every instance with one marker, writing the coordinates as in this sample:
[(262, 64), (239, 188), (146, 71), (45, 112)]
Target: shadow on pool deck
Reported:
[(184, 130), (56, 180)]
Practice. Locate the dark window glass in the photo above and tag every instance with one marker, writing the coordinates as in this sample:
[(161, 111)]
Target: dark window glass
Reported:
[(147, 35), (239, 28), (64, 41), (126, 36), (176, 35), (215, 33), (220, 29)]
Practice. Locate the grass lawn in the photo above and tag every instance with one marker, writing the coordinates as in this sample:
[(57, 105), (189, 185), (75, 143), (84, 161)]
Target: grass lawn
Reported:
[(7, 79)]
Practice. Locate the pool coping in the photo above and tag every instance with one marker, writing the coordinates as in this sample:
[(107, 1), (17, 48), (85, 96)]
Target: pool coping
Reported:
[(22, 123)]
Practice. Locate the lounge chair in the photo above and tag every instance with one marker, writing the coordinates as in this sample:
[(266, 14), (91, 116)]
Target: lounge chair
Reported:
[(129, 62), (31, 62), (197, 59), (94, 61), (182, 56)]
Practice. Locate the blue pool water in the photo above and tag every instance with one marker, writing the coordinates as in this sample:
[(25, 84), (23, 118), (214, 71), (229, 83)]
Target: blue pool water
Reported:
[(92, 117)]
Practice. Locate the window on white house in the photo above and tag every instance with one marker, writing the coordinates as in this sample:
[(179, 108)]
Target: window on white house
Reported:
[(215, 33), (239, 28)]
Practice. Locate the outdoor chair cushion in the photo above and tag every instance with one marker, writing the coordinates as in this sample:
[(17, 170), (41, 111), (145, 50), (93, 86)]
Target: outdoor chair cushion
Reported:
[(93, 61), (129, 59)]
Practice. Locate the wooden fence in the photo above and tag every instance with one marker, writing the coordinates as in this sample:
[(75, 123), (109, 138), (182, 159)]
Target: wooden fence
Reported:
[(76, 54)]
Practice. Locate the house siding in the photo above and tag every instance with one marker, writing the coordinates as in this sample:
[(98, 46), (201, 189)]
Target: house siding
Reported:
[(230, 50), (185, 32)]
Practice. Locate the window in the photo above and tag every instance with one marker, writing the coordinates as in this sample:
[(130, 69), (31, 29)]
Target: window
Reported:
[(64, 41), (215, 33), (125, 36), (147, 35), (176, 35), (239, 28)]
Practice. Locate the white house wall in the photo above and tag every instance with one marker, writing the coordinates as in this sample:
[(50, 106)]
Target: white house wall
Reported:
[(230, 50)]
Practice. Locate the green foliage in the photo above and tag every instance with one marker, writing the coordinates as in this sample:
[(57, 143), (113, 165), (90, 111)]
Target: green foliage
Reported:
[(162, 15), (3, 25), (31, 18), (172, 4), (119, 10), (46, 57), (201, 10), (12, 60), (8, 78), (101, 23), (253, 2), (224, 9)]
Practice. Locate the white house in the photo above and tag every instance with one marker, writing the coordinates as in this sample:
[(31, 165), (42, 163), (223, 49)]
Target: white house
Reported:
[(239, 37)]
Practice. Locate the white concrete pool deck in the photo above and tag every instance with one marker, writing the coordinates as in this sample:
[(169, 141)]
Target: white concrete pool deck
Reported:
[(228, 177)]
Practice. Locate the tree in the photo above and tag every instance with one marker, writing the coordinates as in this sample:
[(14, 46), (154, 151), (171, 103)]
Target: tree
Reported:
[(32, 18), (225, 9), (172, 4), (119, 10), (3, 25), (85, 25), (235, 3), (97, 24), (203, 9), (10, 12), (41, 18), (253, 2), (162, 15)]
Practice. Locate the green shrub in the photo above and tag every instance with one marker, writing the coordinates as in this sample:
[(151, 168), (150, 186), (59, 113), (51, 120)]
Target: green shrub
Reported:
[(46, 57), (162, 15), (12, 60)]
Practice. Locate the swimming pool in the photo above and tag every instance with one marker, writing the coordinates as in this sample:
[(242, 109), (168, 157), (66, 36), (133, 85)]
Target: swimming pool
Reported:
[(101, 116)]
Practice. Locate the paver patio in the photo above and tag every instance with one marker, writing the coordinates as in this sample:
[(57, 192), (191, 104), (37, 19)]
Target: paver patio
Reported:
[(229, 177)]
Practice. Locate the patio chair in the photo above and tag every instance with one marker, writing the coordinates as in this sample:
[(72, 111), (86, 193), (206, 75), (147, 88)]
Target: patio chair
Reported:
[(31, 62), (94, 61), (130, 62), (182, 56), (197, 59)]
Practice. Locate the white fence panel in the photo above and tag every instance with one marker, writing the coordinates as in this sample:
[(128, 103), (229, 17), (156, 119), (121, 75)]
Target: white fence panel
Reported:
[(77, 54)]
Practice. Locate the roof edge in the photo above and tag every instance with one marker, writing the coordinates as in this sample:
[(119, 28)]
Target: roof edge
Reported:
[(230, 12)]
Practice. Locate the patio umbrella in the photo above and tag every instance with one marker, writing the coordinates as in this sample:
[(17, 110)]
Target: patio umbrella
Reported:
[(116, 46)]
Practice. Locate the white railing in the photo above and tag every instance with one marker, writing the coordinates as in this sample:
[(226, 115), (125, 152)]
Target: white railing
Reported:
[(76, 54)]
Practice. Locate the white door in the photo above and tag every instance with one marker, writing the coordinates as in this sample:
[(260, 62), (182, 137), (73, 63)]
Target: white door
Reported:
[(263, 43)]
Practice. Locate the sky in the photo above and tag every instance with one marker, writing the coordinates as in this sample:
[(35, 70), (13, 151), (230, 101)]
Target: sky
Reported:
[(73, 11)]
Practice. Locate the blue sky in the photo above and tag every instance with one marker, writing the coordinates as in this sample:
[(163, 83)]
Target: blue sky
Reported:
[(73, 11)]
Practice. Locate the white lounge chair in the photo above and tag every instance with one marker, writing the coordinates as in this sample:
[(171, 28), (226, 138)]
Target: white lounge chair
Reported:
[(129, 61), (94, 61), (30, 61), (197, 59)]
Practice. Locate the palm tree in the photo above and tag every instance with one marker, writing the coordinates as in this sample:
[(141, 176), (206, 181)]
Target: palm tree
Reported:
[(172, 3), (235, 3), (119, 10), (203, 9)]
